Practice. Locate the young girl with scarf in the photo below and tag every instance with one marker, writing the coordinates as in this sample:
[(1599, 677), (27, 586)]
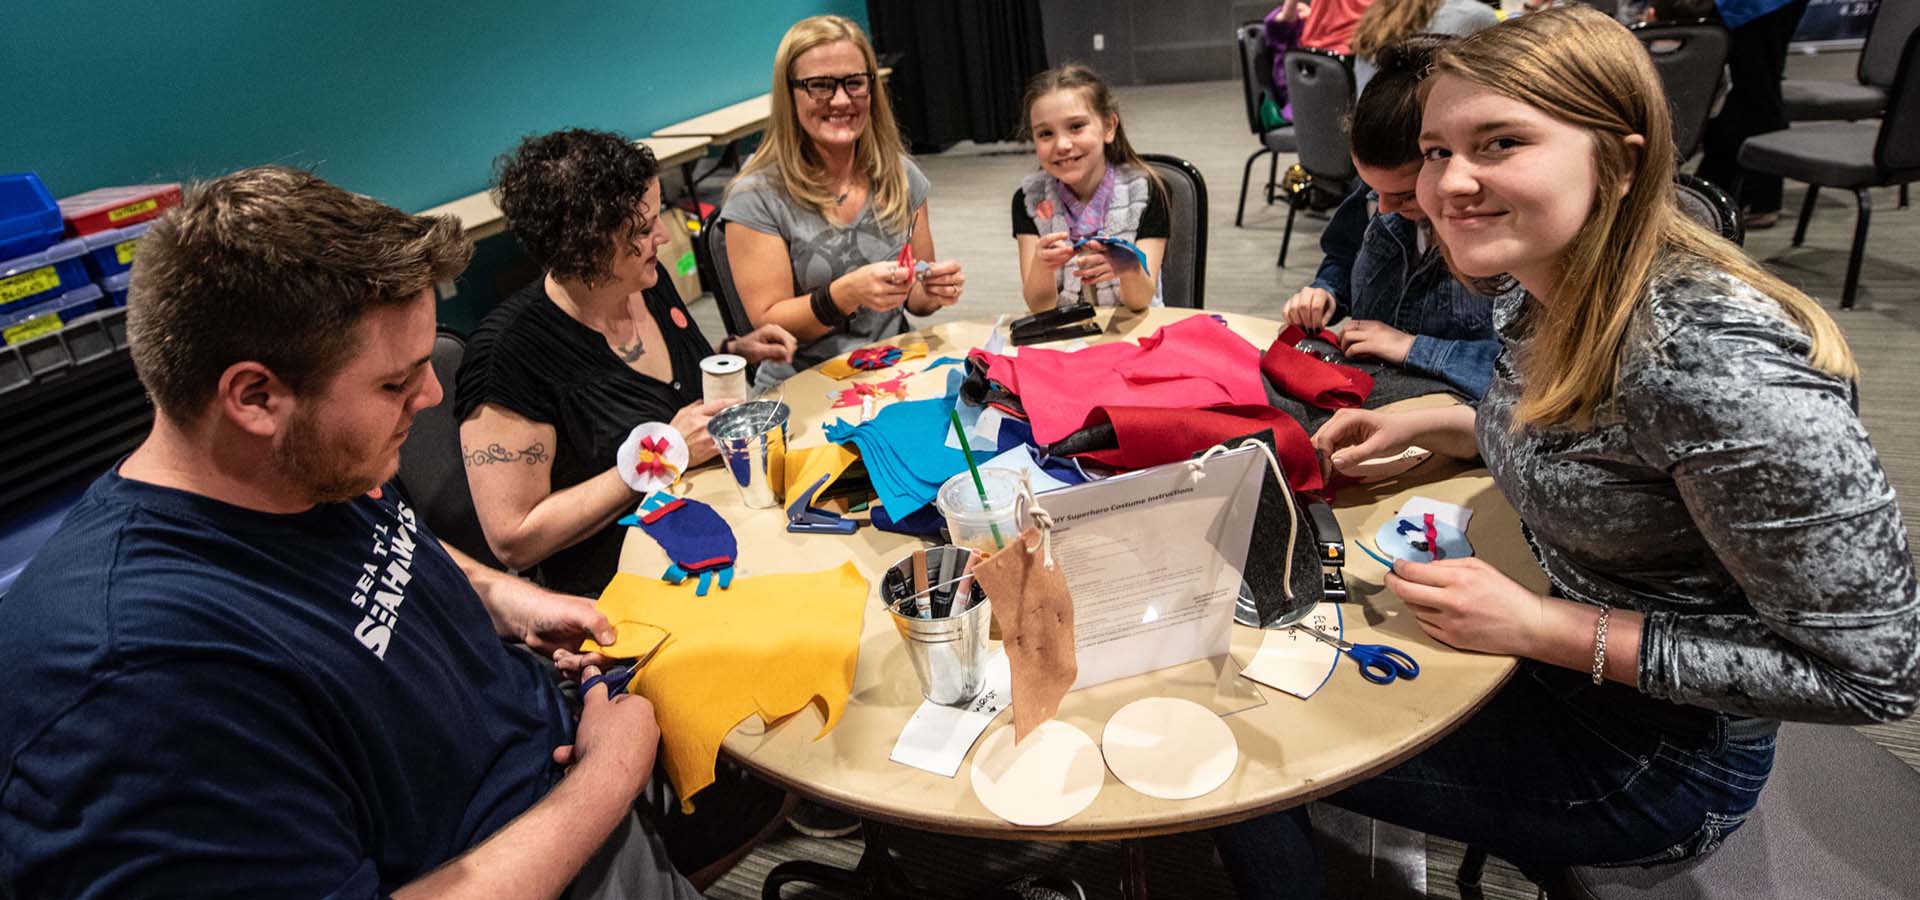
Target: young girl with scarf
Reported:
[(1091, 192)]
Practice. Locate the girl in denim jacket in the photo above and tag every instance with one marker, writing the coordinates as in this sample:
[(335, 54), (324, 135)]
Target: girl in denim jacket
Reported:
[(1382, 267)]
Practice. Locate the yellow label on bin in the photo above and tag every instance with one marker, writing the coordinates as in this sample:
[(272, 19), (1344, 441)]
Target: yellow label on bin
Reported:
[(132, 209), (32, 328), (123, 251), (27, 284)]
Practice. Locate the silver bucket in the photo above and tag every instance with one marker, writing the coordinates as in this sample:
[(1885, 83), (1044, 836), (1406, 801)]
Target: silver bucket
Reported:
[(949, 653), (752, 440)]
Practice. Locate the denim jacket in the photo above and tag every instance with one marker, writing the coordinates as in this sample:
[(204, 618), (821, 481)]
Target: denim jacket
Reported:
[(1374, 270)]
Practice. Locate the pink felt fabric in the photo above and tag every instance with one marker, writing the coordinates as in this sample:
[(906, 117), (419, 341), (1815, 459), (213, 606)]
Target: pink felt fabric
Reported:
[(1192, 363)]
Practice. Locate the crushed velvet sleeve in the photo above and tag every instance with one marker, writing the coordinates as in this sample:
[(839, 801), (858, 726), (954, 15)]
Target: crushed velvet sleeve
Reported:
[(1771, 461)]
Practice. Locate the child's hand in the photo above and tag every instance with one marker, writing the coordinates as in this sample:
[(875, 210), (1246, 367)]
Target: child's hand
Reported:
[(1055, 249), (1093, 266), (1311, 308), (1378, 340)]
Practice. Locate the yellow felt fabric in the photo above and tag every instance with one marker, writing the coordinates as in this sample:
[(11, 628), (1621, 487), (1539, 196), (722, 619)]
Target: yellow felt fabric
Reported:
[(768, 645), (806, 466)]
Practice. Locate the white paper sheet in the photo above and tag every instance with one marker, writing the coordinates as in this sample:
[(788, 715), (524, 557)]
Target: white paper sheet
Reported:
[(1448, 513), (1153, 560), (938, 737), (1020, 460), (1291, 660)]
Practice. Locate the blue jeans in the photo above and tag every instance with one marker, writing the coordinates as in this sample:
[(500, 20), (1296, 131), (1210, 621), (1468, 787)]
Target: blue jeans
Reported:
[(1554, 771)]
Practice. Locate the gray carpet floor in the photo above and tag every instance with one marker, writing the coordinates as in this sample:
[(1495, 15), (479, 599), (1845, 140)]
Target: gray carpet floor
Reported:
[(1205, 124)]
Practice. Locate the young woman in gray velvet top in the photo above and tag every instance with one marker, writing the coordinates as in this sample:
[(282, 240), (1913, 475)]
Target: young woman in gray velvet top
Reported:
[(1677, 430)]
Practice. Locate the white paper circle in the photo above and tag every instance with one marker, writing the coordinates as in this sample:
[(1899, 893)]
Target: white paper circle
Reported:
[(629, 455), (1047, 778), (1169, 748)]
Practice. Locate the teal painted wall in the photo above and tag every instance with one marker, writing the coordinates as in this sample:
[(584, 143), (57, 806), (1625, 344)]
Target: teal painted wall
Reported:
[(406, 101)]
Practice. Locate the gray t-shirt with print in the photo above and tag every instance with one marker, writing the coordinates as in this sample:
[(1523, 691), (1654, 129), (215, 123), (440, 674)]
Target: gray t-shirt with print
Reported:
[(822, 251)]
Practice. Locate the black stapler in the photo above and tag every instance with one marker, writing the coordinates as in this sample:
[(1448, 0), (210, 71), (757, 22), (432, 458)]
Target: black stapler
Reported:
[(1056, 324)]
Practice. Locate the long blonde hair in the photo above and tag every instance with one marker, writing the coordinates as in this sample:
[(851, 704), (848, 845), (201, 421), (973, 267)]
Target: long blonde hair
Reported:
[(1580, 66), (1387, 21), (879, 154)]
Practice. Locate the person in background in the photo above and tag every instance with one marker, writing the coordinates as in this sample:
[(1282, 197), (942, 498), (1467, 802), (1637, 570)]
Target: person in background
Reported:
[(1758, 32), (1387, 21), (1091, 184), (1383, 268), (1676, 428), (817, 218), (1329, 23), (255, 672)]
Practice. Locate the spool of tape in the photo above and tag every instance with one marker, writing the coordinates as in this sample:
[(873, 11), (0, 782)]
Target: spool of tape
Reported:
[(723, 376)]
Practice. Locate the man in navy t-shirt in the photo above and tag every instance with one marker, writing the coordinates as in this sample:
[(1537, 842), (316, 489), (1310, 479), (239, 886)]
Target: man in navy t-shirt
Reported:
[(243, 666)]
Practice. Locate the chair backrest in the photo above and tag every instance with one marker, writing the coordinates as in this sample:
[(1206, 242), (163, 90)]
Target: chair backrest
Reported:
[(1256, 70), (1320, 87), (1183, 268), (1691, 60), (1709, 205), (432, 470), (1897, 152), (1895, 21), (733, 313)]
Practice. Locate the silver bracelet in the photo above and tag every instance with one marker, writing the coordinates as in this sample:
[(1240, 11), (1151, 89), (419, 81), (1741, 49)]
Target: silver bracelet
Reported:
[(1600, 645)]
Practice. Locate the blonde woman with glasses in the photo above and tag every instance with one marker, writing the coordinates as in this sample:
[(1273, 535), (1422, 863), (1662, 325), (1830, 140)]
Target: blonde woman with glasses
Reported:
[(817, 219)]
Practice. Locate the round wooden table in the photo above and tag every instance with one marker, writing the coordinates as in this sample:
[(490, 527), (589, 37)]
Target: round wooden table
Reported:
[(1291, 750)]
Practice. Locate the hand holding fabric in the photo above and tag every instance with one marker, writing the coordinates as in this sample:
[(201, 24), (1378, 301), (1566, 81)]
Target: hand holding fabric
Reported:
[(1055, 249), (880, 286), (546, 621), (942, 283), (1094, 265), (1311, 308)]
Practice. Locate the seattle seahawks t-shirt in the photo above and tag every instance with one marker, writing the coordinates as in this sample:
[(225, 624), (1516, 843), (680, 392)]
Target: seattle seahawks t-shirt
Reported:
[(204, 700)]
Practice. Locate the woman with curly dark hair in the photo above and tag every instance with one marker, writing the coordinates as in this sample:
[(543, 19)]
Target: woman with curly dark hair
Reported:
[(559, 373)]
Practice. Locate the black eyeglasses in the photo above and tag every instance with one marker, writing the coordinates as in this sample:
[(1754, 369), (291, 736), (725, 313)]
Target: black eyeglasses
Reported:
[(823, 87)]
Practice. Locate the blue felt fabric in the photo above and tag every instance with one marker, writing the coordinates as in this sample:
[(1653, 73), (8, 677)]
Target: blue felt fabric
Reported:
[(905, 451)]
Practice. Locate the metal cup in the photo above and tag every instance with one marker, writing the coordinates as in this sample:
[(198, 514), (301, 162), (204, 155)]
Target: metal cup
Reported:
[(949, 654), (752, 440)]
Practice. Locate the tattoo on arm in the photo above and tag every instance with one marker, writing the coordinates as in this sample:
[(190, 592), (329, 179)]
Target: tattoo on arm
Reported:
[(494, 453)]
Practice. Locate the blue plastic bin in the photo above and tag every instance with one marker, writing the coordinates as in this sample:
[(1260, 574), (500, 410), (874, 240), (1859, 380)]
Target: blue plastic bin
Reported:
[(28, 322), (116, 287), (110, 252), (29, 219), (38, 277)]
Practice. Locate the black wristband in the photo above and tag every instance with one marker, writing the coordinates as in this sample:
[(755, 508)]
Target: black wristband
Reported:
[(824, 309)]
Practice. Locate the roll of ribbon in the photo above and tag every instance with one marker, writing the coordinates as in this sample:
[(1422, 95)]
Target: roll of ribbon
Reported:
[(723, 376)]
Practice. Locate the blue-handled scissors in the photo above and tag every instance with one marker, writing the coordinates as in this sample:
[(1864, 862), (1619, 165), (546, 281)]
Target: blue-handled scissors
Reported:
[(1378, 663), (616, 681)]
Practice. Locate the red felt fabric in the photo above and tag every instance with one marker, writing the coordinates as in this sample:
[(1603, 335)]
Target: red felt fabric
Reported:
[(1150, 437), (1302, 376), (1192, 363)]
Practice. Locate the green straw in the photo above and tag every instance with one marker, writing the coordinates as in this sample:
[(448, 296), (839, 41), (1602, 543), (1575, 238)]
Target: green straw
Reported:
[(966, 450)]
